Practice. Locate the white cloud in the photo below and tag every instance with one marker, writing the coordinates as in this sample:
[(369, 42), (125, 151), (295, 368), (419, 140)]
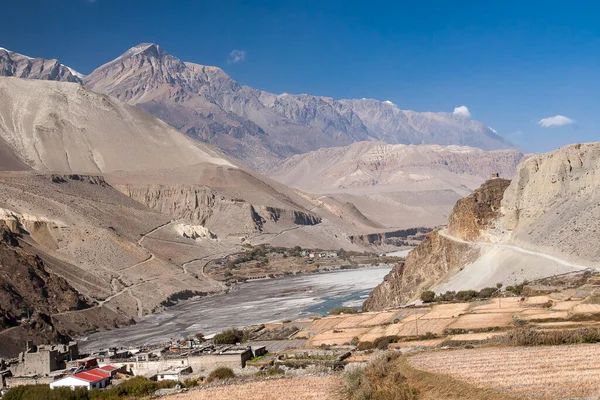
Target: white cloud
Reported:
[(557, 120), (463, 111), (236, 56)]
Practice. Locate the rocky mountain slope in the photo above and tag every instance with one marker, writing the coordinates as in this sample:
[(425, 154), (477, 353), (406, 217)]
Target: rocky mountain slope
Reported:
[(365, 165), (29, 294), (401, 186), (261, 128), (20, 66), (125, 208), (542, 224), (437, 257)]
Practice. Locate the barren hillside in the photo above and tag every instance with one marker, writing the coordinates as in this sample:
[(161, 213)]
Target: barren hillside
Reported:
[(542, 224)]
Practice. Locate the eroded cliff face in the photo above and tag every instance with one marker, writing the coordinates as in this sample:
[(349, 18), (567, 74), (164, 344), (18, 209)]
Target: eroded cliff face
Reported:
[(553, 204), (220, 214), (437, 257), (474, 214)]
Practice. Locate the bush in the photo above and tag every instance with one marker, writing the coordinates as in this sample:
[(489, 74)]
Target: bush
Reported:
[(466, 295), (532, 337), (342, 310), (220, 374), (230, 336), (365, 346), (448, 296), (37, 392), (428, 296), (487, 292), (383, 342), (378, 381)]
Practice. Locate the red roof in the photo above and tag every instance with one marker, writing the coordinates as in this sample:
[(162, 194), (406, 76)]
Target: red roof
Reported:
[(92, 376)]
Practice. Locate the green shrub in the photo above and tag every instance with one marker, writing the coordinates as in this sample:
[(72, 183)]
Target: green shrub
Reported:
[(383, 342), (532, 337), (230, 336), (342, 310), (466, 295), (428, 296), (38, 392), (220, 374), (487, 292), (365, 346)]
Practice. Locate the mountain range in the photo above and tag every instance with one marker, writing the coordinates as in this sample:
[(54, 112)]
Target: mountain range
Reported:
[(257, 127)]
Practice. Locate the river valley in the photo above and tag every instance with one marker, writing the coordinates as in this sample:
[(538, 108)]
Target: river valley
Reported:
[(252, 303)]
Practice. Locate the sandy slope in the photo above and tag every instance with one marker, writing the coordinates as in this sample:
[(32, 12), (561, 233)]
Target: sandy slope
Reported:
[(504, 263), (67, 128)]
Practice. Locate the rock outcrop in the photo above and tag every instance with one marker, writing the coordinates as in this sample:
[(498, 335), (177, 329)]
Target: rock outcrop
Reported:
[(473, 215), (434, 260), (437, 258), (214, 211)]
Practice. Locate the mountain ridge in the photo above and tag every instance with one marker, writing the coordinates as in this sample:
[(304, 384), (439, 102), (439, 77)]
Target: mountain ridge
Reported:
[(261, 128)]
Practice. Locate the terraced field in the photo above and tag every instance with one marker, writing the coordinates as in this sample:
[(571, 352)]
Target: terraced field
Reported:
[(544, 372)]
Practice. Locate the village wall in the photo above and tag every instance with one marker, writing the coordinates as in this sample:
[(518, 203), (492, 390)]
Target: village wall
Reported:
[(21, 381), (204, 364)]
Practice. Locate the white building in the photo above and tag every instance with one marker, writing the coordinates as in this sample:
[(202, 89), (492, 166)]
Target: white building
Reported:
[(173, 373), (92, 379)]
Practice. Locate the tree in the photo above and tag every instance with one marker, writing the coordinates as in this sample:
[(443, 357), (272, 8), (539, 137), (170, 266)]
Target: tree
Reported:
[(428, 296)]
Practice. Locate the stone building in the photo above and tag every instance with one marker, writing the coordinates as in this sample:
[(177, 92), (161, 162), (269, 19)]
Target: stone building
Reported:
[(43, 359)]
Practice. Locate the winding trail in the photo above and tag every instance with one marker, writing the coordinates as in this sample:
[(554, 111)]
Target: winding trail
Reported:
[(444, 233)]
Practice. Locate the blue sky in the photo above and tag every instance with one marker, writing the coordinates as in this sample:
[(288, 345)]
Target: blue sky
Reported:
[(512, 63)]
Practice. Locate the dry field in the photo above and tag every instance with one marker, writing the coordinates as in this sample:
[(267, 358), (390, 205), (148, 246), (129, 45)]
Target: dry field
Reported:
[(545, 372), (436, 319), (482, 321), (325, 388)]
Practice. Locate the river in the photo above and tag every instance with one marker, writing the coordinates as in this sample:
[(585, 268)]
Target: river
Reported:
[(253, 303)]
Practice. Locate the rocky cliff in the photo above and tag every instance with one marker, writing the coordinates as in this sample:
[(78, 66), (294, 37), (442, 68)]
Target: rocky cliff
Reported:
[(437, 257), (29, 294), (553, 204), (216, 212), (473, 215)]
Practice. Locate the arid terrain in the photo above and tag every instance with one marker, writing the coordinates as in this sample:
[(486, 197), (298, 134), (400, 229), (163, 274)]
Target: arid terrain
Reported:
[(537, 225), (301, 388)]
